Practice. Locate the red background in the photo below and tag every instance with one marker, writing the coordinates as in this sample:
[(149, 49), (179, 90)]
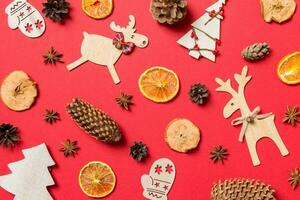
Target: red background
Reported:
[(146, 121)]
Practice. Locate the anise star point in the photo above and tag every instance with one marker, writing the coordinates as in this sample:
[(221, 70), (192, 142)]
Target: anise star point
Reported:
[(294, 179), (51, 116), (219, 154), (69, 148), (292, 115), (125, 101), (52, 56)]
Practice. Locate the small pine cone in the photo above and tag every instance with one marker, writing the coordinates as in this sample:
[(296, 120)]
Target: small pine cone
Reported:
[(242, 189), (56, 10), (256, 51), (138, 151), (168, 11), (199, 93), (9, 135), (97, 123)]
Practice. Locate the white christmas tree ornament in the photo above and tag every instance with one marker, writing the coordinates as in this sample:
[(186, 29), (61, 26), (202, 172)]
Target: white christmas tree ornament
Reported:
[(30, 177), (204, 37), (27, 18), (160, 180)]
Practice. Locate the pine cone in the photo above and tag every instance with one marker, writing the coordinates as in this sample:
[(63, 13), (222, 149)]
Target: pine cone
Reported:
[(8, 135), (256, 51), (138, 151), (199, 93), (97, 123), (56, 10), (242, 189), (168, 11)]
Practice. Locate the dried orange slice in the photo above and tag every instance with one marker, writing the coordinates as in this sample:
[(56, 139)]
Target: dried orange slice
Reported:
[(96, 179), (289, 69), (159, 84), (97, 9)]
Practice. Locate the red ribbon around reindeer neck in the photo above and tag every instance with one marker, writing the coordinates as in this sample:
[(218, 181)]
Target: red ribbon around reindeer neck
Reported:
[(245, 121), (119, 43)]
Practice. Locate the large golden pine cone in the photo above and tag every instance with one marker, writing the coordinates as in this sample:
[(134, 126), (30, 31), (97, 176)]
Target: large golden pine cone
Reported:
[(94, 121), (242, 189), (168, 11)]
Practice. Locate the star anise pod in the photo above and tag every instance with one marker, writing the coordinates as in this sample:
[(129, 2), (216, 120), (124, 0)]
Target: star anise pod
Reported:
[(125, 101), (219, 154), (294, 180), (8, 135), (51, 116), (292, 115), (69, 148), (52, 56)]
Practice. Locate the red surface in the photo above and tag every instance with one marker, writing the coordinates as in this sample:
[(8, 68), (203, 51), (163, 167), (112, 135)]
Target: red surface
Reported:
[(146, 122)]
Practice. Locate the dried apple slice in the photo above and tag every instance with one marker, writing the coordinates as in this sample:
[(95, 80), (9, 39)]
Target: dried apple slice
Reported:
[(182, 135), (277, 10), (18, 91)]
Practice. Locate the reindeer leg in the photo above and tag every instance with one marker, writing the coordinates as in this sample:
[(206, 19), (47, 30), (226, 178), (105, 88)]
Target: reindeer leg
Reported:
[(113, 74), (76, 63), (274, 135), (253, 152)]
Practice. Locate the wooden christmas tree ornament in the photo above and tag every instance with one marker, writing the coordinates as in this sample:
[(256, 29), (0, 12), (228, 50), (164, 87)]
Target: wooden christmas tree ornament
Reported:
[(30, 177), (161, 177), (254, 125), (204, 37), (21, 14), (106, 51)]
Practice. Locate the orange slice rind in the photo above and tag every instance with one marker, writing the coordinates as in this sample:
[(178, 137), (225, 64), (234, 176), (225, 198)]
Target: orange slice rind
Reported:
[(288, 69), (97, 9), (96, 179), (159, 84)]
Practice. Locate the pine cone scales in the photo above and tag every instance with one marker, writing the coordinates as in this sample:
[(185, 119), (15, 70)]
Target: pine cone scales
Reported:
[(56, 10), (242, 189), (199, 93), (138, 151), (8, 135), (256, 51), (168, 11), (97, 123)]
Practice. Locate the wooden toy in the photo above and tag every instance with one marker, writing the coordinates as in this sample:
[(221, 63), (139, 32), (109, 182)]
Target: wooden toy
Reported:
[(204, 37), (30, 177), (27, 18), (254, 125), (160, 180), (105, 51)]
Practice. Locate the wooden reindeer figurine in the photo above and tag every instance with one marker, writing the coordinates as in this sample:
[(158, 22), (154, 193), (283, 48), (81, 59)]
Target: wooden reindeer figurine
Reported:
[(106, 51), (254, 125)]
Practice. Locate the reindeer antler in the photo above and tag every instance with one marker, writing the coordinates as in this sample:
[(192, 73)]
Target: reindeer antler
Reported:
[(242, 79), (118, 28), (225, 86), (131, 22)]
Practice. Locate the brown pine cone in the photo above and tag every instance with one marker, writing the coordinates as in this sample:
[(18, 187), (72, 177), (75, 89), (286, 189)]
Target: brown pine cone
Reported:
[(242, 189), (256, 51), (168, 11)]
